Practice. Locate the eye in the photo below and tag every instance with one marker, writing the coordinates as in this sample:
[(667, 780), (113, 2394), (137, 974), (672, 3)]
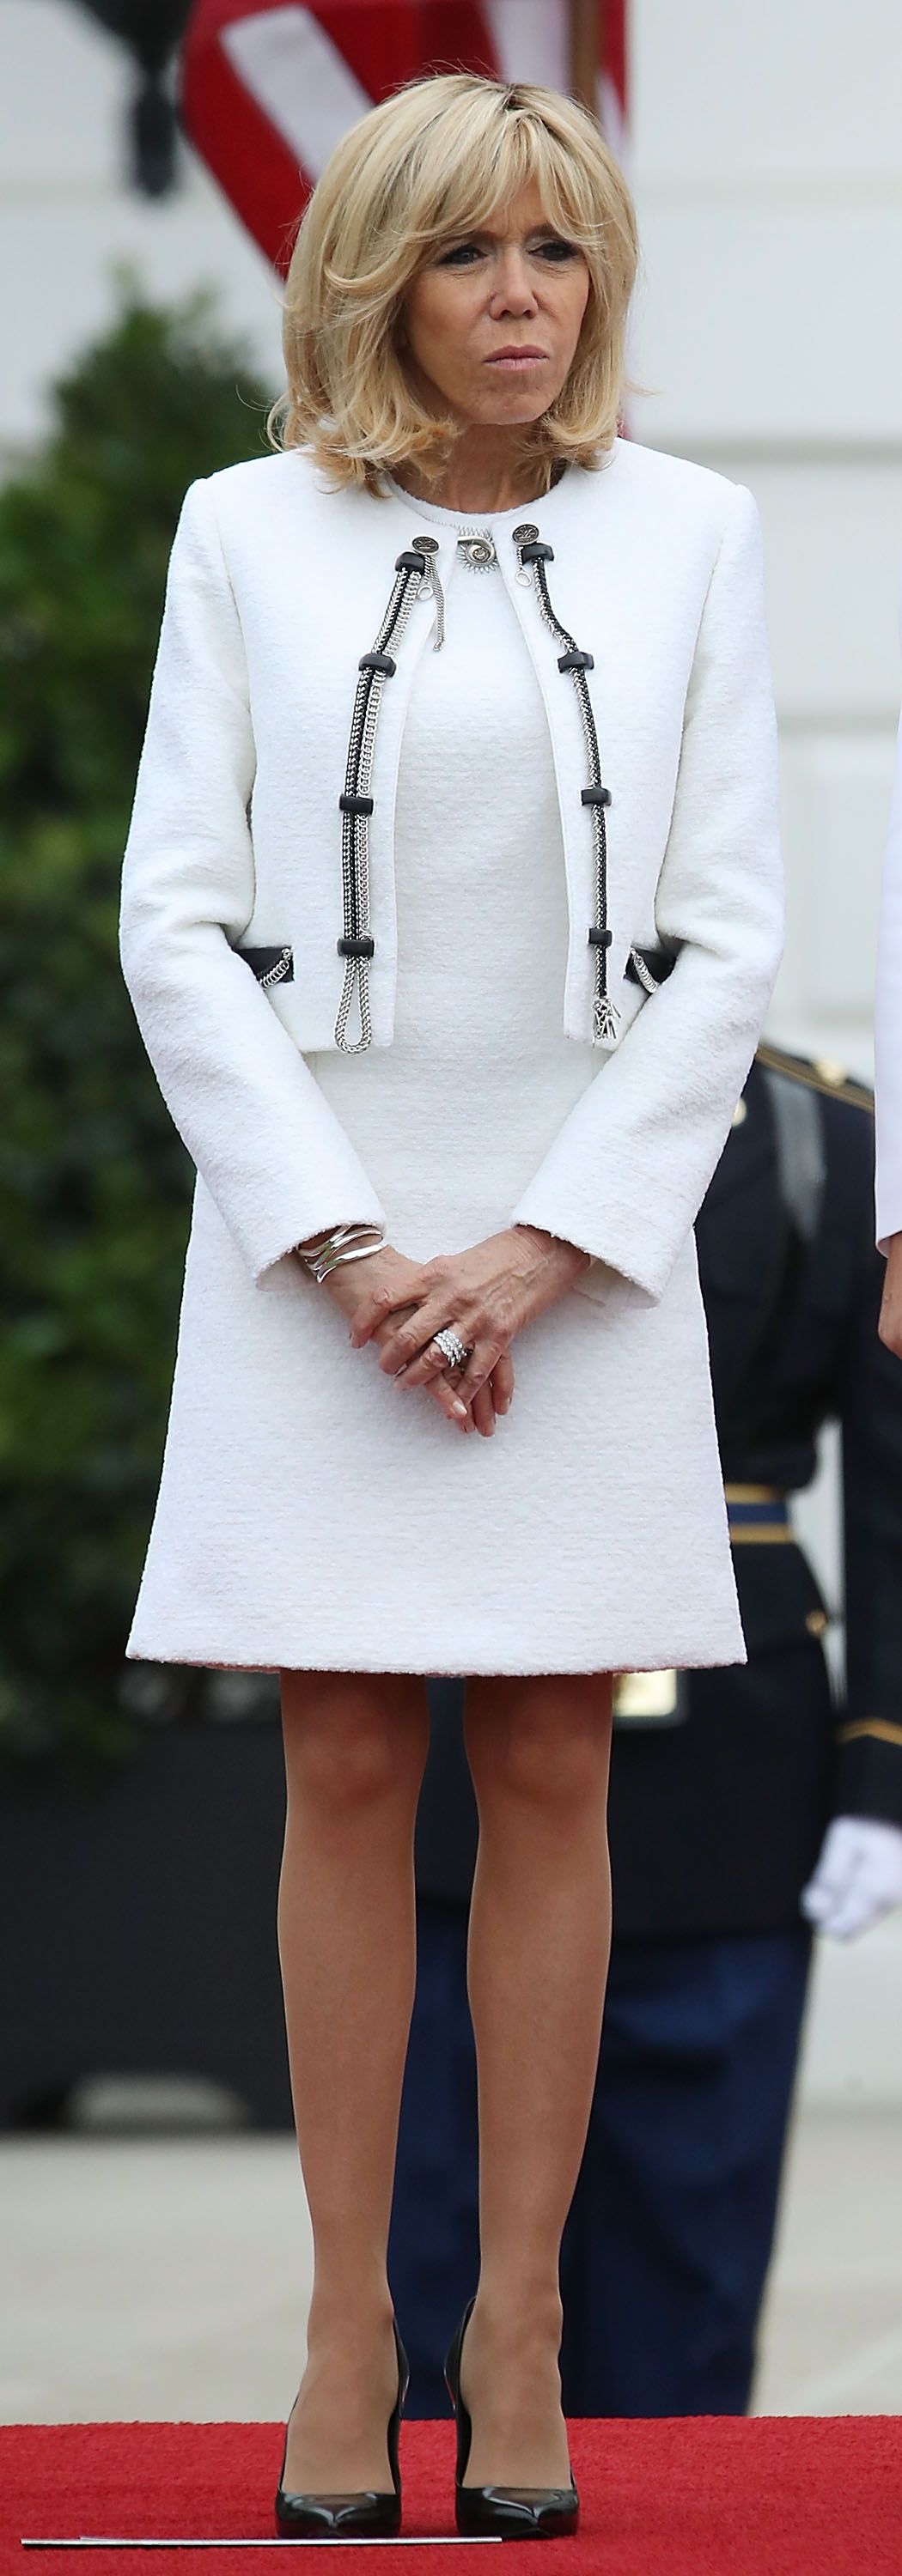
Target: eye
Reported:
[(555, 251)]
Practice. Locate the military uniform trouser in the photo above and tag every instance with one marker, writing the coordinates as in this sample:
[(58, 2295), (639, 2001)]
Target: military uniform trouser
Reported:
[(669, 2234)]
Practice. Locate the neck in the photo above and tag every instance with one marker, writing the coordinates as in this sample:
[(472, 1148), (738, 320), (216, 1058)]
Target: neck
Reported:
[(480, 476)]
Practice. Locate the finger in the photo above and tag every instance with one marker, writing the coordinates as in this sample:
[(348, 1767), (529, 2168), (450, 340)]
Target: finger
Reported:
[(473, 1374), (483, 1410), (816, 1903), (409, 1348), (449, 1403), (502, 1383), (426, 1363), (375, 1306), (382, 1331), (837, 1864), (823, 1898), (852, 1913), (890, 1320), (871, 1893), (818, 1908), (833, 1900)]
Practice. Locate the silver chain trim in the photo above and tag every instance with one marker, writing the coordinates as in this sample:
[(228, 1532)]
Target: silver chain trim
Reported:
[(276, 974), (604, 1016), (355, 856), (646, 978)]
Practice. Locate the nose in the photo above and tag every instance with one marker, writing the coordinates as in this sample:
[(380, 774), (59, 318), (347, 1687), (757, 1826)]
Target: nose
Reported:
[(513, 290)]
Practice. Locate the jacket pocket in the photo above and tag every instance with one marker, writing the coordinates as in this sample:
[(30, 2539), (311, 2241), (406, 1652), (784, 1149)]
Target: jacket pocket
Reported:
[(270, 965), (650, 967)]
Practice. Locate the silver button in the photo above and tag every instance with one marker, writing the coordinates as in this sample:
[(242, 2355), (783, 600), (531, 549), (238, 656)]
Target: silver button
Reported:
[(479, 551)]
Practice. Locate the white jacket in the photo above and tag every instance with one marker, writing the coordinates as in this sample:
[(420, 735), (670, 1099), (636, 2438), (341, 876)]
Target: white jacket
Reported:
[(277, 585), (888, 1020)]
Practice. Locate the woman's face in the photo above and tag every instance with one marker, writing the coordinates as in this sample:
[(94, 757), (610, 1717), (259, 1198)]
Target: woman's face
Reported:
[(517, 285)]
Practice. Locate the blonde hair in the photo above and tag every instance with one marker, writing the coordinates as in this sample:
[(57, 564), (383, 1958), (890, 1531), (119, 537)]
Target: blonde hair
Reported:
[(433, 160)]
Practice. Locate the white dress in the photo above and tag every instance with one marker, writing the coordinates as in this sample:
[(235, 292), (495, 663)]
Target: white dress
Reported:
[(310, 1514)]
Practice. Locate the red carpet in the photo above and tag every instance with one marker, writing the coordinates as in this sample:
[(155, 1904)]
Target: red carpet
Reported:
[(704, 2496)]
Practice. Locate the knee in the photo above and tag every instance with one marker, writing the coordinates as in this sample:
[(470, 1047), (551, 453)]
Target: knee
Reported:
[(353, 1742), (547, 1750)]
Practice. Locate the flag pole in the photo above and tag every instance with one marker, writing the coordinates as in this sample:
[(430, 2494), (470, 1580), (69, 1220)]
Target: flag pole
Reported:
[(587, 51)]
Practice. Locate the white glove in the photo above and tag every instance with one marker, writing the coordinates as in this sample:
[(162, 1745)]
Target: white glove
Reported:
[(858, 1876)]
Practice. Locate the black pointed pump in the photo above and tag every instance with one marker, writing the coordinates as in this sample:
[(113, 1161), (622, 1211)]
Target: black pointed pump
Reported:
[(369, 2516), (510, 2513)]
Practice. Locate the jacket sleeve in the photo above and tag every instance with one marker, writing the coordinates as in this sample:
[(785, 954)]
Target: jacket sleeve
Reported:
[(888, 1021), (259, 1129), (869, 1734), (627, 1171)]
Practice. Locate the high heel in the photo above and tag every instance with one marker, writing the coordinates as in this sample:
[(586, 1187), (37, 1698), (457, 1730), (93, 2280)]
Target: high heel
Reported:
[(509, 2513), (367, 2516)]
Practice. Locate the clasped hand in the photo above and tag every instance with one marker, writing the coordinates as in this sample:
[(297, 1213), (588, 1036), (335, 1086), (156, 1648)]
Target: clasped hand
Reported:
[(487, 1292), (890, 1325)]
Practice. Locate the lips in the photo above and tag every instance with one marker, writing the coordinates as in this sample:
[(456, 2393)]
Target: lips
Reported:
[(499, 354)]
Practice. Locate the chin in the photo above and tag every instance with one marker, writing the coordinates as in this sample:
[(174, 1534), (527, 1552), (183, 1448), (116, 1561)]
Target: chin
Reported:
[(519, 406)]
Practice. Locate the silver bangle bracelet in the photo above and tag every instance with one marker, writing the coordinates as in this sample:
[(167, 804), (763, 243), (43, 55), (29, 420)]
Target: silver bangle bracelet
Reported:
[(342, 1243), (352, 1252)]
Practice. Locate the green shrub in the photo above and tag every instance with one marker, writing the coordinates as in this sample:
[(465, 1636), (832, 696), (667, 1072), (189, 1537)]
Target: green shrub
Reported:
[(94, 1183)]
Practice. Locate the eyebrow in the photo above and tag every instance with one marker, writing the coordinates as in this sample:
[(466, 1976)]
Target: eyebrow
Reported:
[(473, 232)]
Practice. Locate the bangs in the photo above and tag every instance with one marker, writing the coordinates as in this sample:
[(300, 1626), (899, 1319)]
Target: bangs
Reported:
[(487, 166)]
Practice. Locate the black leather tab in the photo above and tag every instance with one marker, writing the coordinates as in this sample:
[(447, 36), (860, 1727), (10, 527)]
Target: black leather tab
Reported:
[(595, 795), (536, 552), (660, 963), (377, 662), (599, 938), (576, 660), (355, 947), (262, 961), (410, 562), (356, 804)]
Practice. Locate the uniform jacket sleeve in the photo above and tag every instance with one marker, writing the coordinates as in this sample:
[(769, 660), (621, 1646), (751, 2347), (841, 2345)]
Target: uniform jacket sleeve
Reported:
[(259, 1129), (888, 1021), (627, 1171), (869, 1770)]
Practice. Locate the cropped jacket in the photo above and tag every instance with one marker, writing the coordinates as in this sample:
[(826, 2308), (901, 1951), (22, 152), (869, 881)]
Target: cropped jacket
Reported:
[(258, 917)]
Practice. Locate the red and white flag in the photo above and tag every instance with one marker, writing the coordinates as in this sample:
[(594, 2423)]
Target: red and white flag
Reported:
[(268, 87)]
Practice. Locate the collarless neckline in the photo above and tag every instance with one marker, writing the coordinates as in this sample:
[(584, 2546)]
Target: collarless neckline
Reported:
[(475, 519)]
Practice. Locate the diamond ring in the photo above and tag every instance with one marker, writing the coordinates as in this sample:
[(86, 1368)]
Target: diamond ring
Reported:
[(452, 1348)]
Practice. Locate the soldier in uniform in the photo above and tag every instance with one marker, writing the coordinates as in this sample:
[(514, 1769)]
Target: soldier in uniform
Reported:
[(744, 1807)]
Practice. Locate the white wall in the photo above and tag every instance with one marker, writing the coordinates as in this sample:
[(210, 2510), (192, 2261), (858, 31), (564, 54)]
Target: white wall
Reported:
[(768, 170), (767, 164)]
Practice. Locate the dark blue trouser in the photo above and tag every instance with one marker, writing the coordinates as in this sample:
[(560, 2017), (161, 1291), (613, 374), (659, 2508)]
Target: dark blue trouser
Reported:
[(669, 2234)]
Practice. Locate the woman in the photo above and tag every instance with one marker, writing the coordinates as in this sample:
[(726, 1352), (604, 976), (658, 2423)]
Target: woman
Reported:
[(401, 958)]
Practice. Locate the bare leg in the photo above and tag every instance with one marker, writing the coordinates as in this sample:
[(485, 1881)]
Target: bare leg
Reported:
[(538, 1955), (355, 1747)]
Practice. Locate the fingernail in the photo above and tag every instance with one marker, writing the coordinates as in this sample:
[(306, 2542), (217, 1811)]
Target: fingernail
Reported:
[(461, 1412)]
